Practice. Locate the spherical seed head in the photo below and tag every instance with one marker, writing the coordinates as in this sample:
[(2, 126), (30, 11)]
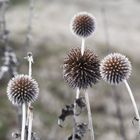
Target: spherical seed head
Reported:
[(115, 68), (22, 89), (81, 70), (83, 24)]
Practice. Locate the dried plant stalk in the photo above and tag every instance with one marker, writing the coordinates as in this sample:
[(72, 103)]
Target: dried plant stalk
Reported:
[(74, 114), (83, 46), (89, 116), (133, 102), (23, 121), (30, 113)]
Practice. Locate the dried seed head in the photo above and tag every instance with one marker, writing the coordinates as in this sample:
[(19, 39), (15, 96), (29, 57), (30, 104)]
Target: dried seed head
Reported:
[(115, 68), (22, 89), (81, 70), (83, 24)]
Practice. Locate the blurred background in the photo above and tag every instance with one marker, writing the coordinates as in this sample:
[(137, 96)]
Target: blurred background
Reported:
[(50, 39)]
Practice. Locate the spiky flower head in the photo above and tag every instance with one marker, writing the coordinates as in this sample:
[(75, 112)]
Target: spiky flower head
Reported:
[(22, 89), (81, 70), (83, 24), (115, 68)]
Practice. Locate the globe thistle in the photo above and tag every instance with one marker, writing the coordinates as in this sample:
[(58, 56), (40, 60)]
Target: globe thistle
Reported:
[(83, 24), (22, 89), (81, 70), (115, 68)]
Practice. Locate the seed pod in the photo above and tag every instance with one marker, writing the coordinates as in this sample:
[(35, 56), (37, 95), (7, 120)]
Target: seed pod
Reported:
[(22, 89), (115, 68), (81, 70), (83, 24)]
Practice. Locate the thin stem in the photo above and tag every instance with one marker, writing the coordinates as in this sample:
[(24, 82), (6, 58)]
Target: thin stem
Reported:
[(74, 114), (30, 125), (30, 60), (89, 116), (83, 46), (133, 102), (77, 93), (30, 113), (23, 121)]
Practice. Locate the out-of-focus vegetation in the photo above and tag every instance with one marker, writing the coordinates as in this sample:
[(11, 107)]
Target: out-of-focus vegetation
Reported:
[(15, 2)]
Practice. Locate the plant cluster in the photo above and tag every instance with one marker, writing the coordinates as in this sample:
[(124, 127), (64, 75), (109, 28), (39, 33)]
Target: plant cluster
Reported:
[(82, 68), (22, 89)]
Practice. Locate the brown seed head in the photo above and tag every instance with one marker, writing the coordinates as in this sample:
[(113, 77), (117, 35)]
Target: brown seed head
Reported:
[(115, 68), (22, 89), (81, 70), (83, 24)]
